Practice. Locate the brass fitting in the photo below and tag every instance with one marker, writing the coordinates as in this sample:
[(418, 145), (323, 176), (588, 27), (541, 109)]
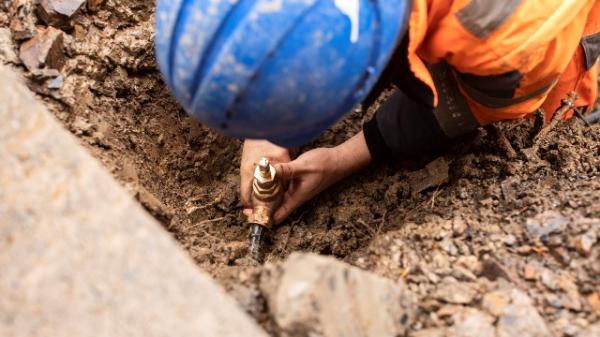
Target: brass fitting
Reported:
[(267, 194)]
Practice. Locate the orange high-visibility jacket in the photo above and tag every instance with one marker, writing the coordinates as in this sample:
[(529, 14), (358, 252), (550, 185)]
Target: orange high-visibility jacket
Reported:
[(507, 58)]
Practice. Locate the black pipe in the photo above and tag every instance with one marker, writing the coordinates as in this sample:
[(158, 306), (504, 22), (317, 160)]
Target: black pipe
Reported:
[(256, 238)]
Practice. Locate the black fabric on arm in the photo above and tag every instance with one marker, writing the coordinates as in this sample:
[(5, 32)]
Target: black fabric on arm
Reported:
[(402, 129), (377, 148)]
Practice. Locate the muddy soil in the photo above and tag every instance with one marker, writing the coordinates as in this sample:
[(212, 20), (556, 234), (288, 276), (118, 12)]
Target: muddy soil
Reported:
[(488, 225)]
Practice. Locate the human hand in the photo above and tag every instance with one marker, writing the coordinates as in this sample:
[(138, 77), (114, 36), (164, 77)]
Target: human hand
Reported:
[(318, 169), (308, 175), (252, 152)]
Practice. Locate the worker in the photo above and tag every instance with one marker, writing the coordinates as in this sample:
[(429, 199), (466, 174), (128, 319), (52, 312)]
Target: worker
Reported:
[(278, 73)]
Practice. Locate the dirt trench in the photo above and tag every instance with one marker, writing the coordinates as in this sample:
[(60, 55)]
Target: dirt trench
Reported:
[(477, 228)]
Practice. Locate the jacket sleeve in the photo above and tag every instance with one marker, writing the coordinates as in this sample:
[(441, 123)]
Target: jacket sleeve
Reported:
[(403, 128)]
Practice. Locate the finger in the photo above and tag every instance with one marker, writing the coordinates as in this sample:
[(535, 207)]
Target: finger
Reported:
[(285, 171), (245, 198), (245, 192), (282, 213), (247, 211), (291, 201)]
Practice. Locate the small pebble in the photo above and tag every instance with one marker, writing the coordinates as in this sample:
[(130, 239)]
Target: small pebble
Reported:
[(510, 240)]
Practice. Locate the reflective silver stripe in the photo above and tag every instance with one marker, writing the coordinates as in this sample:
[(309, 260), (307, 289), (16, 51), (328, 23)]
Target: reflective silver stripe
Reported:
[(498, 102), (453, 112), (483, 17), (591, 47)]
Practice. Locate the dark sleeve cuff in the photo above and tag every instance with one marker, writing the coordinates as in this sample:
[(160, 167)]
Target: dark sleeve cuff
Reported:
[(375, 142), (403, 128)]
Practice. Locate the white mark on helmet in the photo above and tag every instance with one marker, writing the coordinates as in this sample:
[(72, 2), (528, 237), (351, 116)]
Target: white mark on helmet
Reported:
[(351, 8), (270, 6)]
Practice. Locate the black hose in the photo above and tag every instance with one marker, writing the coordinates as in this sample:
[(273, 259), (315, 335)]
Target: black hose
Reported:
[(256, 237)]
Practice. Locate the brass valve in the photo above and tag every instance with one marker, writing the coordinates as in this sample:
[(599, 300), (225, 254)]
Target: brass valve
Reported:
[(267, 194)]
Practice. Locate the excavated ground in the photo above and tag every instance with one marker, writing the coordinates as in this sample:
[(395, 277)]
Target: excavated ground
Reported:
[(487, 226)]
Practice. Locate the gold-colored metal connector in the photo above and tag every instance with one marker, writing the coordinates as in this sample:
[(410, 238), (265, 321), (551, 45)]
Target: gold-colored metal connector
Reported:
[(266, 194)]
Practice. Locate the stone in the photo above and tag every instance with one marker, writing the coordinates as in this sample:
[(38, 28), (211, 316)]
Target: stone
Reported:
[(570, 297), (94, 5), (472, 323), (45, 49), (553, 300), (585, 242), (487, 202), (79, 256), (440, 262), (81, 126), (7, 48), (311, 295), (23, 19), (471, 263), (509, 190), (510, 240), (56, 82), (449, 310), (434, 174), (594, 302), (549, 279), (565, 324), (546, 223), (44, 81), (463, 274), (448, 246), (451, 291), (495, 302), (130, 49), (591, 331), (532, 271), (58, 13), (459, 226), (431, 276), (516, 315)]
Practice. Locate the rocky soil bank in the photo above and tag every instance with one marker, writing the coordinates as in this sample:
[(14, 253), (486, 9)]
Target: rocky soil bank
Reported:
[(486, 239)]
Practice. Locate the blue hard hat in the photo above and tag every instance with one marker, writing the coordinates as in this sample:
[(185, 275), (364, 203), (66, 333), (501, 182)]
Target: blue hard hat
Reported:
[(281, 70)]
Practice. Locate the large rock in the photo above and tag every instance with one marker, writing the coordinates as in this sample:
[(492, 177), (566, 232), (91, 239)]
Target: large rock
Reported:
[(59, 13), (311, 295), (78, 256), (452, 291), (45, 49), (516, 315), (546, 223)]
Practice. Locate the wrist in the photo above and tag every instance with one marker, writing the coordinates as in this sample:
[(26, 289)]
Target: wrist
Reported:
[(351, 156)]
